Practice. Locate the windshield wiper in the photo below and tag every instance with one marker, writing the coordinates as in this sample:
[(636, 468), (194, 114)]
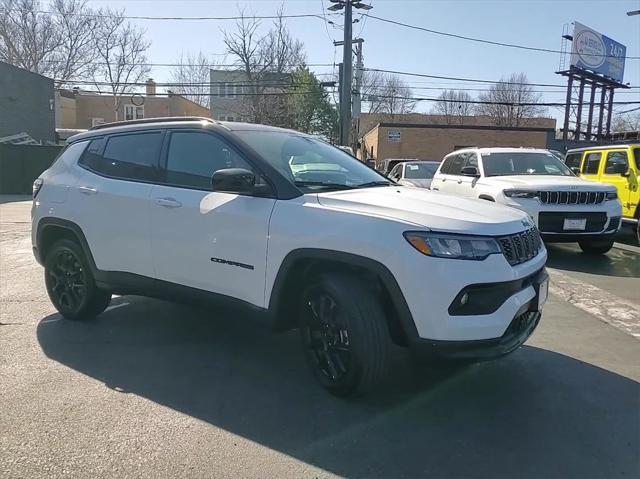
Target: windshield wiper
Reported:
[(323, 184), (371, 184)]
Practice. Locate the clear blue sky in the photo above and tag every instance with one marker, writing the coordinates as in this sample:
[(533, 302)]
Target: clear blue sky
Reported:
[(536, 23)]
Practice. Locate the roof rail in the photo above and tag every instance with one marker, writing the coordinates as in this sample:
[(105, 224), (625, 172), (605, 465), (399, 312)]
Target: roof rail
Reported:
[(152, 120)]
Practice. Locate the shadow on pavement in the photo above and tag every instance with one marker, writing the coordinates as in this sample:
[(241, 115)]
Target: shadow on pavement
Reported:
[(534, 414), (616, 262)]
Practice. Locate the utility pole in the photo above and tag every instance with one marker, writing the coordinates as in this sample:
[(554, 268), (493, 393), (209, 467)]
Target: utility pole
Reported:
[(347, 64)]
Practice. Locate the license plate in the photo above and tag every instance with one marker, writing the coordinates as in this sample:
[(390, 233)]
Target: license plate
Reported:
[(575, 224), (543, 293)]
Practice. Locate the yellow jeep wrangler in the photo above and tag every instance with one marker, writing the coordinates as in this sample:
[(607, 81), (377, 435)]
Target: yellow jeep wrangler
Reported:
[(618, 165)]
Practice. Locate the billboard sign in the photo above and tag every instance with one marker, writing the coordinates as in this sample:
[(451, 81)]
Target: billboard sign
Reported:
[(597, 53)]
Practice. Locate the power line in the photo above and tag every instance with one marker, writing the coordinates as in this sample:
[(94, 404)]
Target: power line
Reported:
[(480, 40), (148, 17), (470, 80), (481, 102), (212, 65), (166, 94), (394, 97)]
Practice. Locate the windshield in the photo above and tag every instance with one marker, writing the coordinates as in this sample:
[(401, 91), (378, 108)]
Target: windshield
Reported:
[(311, 164), (523, 163), (420, 171)]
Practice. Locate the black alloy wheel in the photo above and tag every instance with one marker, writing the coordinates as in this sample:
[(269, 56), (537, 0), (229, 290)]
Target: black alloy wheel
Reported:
[(344, 333), (325, 335), (70, 283), (67, 281)]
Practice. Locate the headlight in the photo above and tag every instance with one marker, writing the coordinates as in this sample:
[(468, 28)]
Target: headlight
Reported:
[(520, 194), (444, 245), (611, 195)]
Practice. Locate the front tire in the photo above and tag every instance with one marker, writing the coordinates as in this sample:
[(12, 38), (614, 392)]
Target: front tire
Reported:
[(596, 246), (344, 334), (70, 284)]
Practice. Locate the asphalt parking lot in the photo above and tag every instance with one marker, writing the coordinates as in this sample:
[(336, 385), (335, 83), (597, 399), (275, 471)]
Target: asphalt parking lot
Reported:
[(155, 389)]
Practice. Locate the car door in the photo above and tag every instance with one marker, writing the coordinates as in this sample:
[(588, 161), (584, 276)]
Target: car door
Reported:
[(466, 184), (396, 173), (452, 180), (616, 172), (591, 165), (213, 241), (443, 181), (112, 199)]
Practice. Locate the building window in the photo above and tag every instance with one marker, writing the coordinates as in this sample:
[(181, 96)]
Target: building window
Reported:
[(133, 112), (227, 90), (226, 118), (97, 121)]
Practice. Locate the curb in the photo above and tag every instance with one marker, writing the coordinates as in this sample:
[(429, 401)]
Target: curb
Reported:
[(626, 247)]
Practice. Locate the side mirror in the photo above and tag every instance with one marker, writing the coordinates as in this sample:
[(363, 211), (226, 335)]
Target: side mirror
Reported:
[(233, 180), (470, 171), (575, 170)]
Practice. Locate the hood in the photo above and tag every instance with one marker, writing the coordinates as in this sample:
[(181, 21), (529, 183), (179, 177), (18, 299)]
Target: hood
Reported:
[(544, 182), (429, 209), (417, 182)]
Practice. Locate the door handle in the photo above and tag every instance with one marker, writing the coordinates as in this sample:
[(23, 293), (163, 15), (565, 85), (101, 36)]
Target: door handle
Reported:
[(434, 188), (168, 202), (87, 190), (459, 182)]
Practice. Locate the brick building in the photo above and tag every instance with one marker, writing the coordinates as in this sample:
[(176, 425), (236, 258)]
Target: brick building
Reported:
[(76, 109), (430, 140)]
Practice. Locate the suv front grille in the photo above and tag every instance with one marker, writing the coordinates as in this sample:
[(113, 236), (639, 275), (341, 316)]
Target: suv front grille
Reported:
[(520, 247), (571, 197)]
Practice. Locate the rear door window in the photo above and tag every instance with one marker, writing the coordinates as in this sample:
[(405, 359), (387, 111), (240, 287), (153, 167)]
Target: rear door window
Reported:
[(591, 164), (446, 164), (617, 161), (457, 164), (130, 157)]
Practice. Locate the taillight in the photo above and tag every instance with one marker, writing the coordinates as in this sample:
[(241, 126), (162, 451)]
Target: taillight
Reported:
[(37, 185)]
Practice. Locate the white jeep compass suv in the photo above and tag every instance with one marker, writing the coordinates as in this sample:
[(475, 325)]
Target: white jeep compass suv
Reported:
[(564, 207), (193, 209)]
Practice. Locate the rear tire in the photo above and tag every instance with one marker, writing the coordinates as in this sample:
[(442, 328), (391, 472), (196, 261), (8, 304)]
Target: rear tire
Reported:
[(70, 283), (596, 246), (344, 334)]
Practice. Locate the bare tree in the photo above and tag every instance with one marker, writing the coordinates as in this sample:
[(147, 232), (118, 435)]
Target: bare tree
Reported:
[(511, 102), (454, 106), (628, 121), (387, 94), (122, 61), (191, 78), (58, 45), (266, 61)]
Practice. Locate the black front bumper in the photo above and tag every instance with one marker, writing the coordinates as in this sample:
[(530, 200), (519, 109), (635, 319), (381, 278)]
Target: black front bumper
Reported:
[(574, 238), (521, 327)]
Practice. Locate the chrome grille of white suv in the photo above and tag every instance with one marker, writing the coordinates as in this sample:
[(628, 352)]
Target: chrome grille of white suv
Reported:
[(571, 197), (521, 247)]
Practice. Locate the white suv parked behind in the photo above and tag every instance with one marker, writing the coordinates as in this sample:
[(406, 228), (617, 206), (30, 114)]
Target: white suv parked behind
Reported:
[(193, 209), (564, 207)]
